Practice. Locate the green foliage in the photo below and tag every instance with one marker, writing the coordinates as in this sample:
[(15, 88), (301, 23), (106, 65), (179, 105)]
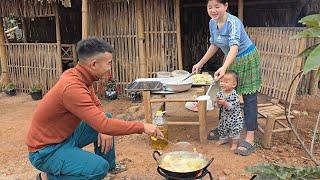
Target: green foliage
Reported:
[(11, 22), (36, 88), (312, 53), (273, 171), (111, 85), (10, 86)]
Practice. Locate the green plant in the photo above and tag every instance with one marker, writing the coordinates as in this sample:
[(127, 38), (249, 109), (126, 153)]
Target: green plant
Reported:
[(111, 85), (36, 88), (10, 86), (313, 52), (273, 171)]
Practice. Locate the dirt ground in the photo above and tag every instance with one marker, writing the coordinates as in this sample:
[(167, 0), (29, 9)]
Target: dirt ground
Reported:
[(135, 151)]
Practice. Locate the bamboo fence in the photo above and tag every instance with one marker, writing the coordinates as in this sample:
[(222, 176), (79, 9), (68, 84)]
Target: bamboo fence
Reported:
[(160, 34), (31, 64), (278, 62), (116, 22)]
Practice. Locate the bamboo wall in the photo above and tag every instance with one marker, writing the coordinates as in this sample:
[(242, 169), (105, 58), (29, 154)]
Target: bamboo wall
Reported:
[(278, 62), (160, 33), (23, 8), (115, 21), (31, 64)]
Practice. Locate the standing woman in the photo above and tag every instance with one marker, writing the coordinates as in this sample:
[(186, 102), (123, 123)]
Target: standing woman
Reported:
[(227, 33)]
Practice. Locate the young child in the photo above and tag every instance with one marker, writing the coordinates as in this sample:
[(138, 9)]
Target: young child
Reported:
[(231, 118)]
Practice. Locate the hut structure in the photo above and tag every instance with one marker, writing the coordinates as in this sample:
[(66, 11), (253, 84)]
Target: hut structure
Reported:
[(149, 36)]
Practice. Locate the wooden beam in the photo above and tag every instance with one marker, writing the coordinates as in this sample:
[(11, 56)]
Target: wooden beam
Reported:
[(202, 113), (85, 22), (240, 9), (178, 29), (3, 57), (141, 40), (58, 38)]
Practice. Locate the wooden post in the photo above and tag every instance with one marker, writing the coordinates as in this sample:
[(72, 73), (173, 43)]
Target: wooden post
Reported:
[(85, 26), (3, 57), (240, 9), (24, 29), (178, 32), (141, 40), (267, 136), (314, 82), (74, 55), (202, 113), (58, 38), (297, 66), (147, 106)]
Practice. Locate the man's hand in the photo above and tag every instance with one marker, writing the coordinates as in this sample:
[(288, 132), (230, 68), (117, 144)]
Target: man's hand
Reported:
[(105, 142), (152, 130)]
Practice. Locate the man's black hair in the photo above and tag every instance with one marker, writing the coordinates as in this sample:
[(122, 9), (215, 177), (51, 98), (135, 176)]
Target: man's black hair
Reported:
[(91, 47)]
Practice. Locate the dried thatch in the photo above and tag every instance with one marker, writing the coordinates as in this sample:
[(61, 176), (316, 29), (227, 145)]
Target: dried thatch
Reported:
[(29, 8)]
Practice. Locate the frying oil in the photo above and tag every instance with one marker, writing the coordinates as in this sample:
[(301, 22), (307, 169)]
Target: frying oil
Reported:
[(156, 143), (160, 144)]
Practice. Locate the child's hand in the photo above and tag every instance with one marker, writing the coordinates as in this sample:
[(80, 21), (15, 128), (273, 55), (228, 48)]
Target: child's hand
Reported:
[(222, 102)]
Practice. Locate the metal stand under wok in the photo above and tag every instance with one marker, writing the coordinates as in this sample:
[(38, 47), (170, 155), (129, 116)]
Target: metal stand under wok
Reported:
[(168, 177)]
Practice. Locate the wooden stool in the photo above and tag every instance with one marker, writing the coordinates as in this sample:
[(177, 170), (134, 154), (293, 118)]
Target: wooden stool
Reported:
[(274, 115), (148, 100)]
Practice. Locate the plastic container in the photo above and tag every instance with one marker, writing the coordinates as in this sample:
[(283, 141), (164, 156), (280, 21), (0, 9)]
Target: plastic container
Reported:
[(163, 74), (160, 144)]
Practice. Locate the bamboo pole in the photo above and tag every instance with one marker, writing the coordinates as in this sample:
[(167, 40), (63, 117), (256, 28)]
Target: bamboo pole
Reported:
[(240, 9), (58, 38), (85, 22), (314, 79), (74, 55), (3, 58), (178, 29), (141, 40), (24, 29)]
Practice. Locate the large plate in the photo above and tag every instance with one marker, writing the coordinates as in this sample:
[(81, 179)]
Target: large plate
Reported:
[(145, 84)]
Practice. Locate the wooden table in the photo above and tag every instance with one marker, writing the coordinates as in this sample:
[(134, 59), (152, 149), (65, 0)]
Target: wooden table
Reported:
[(149, 99)]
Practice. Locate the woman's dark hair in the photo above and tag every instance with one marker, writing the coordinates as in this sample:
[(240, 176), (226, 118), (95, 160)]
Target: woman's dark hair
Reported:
[(220, 1), (91, 47)]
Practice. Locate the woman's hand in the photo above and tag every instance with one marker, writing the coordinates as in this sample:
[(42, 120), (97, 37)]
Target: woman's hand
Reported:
[(197, 67), (219, 73)]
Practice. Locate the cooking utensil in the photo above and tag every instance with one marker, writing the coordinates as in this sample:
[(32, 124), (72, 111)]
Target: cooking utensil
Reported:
[(178, 158), (191, 74), (141, 84), (176, 85), (206, 96)]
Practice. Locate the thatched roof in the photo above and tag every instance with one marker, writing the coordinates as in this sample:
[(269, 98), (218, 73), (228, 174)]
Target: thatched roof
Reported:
[(65, 3), (30, 8)]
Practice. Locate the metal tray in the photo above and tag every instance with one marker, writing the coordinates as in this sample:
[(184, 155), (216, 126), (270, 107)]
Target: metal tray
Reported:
[(145, 85)]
